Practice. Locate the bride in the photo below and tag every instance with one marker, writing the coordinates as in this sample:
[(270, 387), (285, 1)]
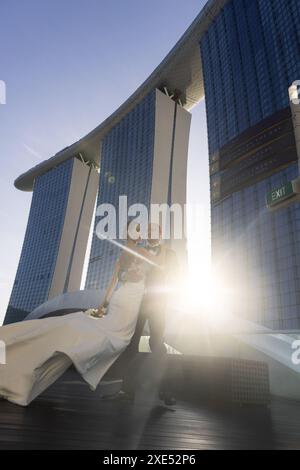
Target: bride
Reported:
[(38, 352)]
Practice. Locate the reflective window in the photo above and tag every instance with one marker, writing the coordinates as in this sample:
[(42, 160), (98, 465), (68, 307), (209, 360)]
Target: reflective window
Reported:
[(126, 169), (250, 57), (41, 242)]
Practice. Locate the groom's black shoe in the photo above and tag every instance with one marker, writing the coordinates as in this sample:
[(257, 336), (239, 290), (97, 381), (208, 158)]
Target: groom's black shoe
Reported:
[(167, 398), (126, 396), (120, 395)]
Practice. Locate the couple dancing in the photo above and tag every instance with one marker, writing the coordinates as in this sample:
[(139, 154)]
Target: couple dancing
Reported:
[(38, 352)]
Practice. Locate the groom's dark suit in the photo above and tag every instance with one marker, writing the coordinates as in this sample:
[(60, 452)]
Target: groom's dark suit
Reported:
[(153, 309)]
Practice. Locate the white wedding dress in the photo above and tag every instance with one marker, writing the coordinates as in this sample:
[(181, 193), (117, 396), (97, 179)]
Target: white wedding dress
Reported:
[(38, 352)]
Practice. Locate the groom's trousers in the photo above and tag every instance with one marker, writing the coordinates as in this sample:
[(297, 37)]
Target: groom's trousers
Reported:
[(152, 308)]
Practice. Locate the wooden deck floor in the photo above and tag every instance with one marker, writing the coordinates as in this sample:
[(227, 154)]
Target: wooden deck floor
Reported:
[(70, 416)]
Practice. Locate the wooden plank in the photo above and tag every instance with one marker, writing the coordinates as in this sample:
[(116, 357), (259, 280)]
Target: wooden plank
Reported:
[(70, 416)]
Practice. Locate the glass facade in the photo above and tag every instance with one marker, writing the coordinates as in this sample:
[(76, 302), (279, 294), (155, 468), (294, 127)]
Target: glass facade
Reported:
[(250, 57), (126, 169), (41, 242), (259, 251)]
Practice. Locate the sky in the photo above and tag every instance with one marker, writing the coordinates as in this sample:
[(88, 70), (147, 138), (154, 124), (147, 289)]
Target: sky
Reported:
[(67, 65)]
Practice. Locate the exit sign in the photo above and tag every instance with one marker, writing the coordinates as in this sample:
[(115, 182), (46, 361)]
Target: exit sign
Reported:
[(276, 196)]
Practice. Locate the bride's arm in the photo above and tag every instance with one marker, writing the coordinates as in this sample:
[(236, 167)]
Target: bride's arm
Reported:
[(109, 290)]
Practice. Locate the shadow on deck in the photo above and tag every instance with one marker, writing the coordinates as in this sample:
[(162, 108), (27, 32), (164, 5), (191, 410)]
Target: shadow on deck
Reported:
[(70, 416)]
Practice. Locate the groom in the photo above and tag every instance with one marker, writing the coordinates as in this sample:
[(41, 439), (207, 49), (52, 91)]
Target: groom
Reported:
[(153, 309)]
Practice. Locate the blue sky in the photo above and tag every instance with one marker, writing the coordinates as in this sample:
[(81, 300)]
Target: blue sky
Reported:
[(68, 64)]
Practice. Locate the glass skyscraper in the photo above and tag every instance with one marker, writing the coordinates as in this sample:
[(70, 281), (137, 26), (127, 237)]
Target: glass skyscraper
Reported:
[(126, 169), (144, 158), (41, 242), (250, 56), (246, 53), (56, 236)]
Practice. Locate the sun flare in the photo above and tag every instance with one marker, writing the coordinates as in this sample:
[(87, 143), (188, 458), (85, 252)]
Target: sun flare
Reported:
[(208, 292)]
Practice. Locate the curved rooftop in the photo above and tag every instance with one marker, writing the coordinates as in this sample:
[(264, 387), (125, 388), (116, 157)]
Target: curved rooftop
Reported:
[(180, 70)]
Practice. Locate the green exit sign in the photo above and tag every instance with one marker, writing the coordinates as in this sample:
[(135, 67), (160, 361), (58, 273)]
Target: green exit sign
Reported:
[(276, 196)]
